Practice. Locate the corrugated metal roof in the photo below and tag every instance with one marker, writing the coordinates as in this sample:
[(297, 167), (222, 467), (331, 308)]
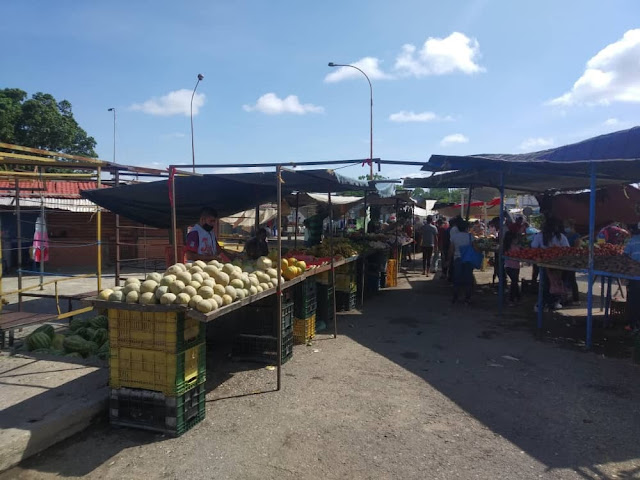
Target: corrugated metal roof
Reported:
[(53, 188)]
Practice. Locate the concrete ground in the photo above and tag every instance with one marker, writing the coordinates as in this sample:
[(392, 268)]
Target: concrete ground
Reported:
[(413, 388)]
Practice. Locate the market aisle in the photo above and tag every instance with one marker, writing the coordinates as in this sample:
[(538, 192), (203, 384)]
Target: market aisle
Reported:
[(413, 388)]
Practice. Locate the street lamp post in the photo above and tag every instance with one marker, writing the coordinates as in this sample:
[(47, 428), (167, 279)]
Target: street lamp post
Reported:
[(193, 151), (112, 109), (331, 64), (117, 182)]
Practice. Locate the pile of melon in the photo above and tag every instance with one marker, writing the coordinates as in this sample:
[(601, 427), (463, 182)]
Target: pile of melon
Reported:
[(84, 338), (203, 286), (292, 268)]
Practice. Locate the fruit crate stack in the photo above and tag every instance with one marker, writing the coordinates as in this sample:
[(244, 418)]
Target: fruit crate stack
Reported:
[(305, 302), (392, 273), (258, 341), (157, 370), (324, 301), (346, 287)]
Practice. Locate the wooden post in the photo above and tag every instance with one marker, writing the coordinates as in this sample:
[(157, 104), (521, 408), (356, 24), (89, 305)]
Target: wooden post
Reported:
[(278, 268), (19, 234)]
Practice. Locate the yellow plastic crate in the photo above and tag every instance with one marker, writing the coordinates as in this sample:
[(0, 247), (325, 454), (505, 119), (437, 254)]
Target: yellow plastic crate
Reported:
[(304, 329), (169, 332), (392, 274), (345, 282), (171, 374)]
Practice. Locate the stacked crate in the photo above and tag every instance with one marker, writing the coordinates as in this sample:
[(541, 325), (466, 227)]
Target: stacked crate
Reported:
[(346, 287), (324, 302), (157, 370), (258, 341), (392, 273), (305, 303)]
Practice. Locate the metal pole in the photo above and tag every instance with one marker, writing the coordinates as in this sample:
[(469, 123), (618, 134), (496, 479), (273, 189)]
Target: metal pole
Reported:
[(257, 219), (398, 249), (541, 280), (99, 234), (468, 214), (193, 150), (117, 279), (333, 271), (363, 261), (364, 222), (1, 271), (295, 233), (174, 228), (592, 226), (19, 234), (500, 247), (278, 268), (42, 226)]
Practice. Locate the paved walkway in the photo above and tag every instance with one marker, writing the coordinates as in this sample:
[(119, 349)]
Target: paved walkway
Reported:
[(412, 388)]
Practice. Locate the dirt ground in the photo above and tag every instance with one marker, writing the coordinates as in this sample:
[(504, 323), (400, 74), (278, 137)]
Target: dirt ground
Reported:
[(412, 388)]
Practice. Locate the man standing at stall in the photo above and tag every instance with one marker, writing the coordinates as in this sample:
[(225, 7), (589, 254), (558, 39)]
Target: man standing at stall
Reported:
[(202, 243), (314, 226), (257, 246), (429, 243)]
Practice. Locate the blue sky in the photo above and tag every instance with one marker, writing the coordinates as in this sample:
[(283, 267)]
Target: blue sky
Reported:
[(457, 77)]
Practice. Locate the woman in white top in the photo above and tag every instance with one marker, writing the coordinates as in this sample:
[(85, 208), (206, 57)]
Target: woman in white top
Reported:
[(462, 271), (551, 236)]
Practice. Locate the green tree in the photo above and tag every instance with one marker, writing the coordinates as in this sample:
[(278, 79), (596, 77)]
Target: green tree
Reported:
[(42, 122), (445, 194)]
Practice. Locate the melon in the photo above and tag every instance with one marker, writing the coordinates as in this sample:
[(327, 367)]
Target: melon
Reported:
[(182, 299), (167, 280), (75, 343), (77, 323), (133, 297), (38, 340), (104, 294), (218, 289), (222, 278), (161, 290), (148, 286), (129, 281), (237, 283), (245, 281), (200, 263), (131, 287), (228, 268), (56, 341), (195, 269), (196, 277), (155, 276), (184, 277), (227, 300), (48, 329), (205, 275), (194, 284), (263, 263), (209, 282), (176, 287), (240, 293), (205, 306), (284, 263), (99, 321), (118, 296), (100, 336), (290, 272), (271, 272), (218, 299), (188, 265), (237, 269), (168, 299), (148, 298), (189, 290), (271, 284), (205, 292), (253, 290), (173, 270), (195, 299), (229, 290), (235, 275), (181, 266), (211, 270), (259, 289), (264, 286), (301, 265), (254, 280)]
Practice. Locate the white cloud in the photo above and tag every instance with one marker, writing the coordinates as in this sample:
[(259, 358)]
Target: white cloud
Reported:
[(610, 122), (177, 102), (612, 75), (404, 117), (368, 65), (539, 143), (453, 139), (439, 56), (270, 104)]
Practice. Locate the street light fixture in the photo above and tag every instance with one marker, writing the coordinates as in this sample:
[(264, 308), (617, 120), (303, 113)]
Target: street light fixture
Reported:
[(193, 151), (331, 64)]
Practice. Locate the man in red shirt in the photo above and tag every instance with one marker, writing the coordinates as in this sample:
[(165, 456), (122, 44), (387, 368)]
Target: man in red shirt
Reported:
[(202, 243)]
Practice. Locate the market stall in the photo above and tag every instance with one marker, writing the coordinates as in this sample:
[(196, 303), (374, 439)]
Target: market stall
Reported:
[(612, 159)]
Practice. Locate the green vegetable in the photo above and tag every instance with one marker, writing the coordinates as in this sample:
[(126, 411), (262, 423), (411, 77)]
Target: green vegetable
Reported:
[(48, 329), (38, 341)]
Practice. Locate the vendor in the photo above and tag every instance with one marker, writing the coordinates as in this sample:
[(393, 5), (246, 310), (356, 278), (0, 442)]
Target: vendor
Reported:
[(257, 247), (201, 240), (314, 226)]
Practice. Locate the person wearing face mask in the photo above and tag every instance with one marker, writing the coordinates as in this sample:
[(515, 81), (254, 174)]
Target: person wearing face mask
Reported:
[(201, 240)]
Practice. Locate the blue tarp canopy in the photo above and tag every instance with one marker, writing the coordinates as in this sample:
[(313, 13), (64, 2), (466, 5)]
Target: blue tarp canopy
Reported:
[(148, 203), (616, 156)]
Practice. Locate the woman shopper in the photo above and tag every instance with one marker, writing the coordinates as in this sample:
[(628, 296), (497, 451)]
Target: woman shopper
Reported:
[(511, 266), (551, 236), (462, 271)]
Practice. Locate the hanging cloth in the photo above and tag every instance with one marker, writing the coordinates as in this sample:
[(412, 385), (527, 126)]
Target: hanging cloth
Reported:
[(41, 241)]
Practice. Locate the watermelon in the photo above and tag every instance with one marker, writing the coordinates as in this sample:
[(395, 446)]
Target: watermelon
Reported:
[(93, 348), (76, 323), (46, 351), (75, 343), (38, 341), (88, 333), (48, 329), (100, 336), (56, 342), (101, 321)]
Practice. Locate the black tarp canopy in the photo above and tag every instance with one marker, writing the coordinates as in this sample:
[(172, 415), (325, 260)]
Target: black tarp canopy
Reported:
[(148, 203)]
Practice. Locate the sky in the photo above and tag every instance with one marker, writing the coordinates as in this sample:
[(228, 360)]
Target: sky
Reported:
[(463, 77)]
